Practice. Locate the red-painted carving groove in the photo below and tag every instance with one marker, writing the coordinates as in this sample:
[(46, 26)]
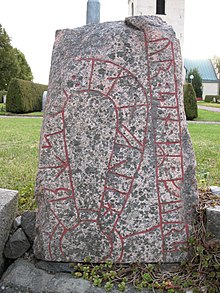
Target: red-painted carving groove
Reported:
[(162, 97), (123, 133)]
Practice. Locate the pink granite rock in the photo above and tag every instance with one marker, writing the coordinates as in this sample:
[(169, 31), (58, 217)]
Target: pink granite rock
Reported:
[(116, 178)]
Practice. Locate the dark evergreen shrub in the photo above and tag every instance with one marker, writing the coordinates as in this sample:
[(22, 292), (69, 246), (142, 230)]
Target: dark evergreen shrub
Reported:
[(212, 98), (196, 82), (24, 96), (190, 103)]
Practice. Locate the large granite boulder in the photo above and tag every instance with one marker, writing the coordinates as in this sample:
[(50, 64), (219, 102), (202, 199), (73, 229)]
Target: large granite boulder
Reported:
[(116, 178)]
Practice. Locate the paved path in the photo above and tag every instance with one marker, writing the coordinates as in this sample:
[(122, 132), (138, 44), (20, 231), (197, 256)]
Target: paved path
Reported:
[(20, 116), (203, 122), (212, 109)]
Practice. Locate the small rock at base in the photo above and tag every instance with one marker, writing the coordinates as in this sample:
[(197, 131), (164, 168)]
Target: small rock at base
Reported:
[(213, 221), (215, 190), (16, 245), (17, 222), (28, 224)]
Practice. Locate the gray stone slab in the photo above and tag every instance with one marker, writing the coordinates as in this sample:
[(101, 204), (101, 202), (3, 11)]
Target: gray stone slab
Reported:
[(213, 221), (8, 210), (116, 177), (66, 283), (215, 190), (22, 276), (54, 267)]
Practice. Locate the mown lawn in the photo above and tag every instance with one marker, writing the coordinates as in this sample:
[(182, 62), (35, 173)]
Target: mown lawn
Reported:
[(204, 115), (206, 142), (19, 142)]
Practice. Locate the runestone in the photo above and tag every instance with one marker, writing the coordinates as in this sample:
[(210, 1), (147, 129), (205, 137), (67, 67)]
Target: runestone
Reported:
[(116, 177)]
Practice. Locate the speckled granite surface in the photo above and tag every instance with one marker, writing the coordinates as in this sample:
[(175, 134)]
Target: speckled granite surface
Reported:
[(116, 178)]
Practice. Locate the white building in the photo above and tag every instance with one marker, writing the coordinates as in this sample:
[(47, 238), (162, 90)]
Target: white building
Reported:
[(205, 67), (172, 11)]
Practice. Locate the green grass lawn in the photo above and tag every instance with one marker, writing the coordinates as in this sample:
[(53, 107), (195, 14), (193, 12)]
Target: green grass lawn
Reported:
[(206, 140), (204, 115), (19, 144), (19, 141)]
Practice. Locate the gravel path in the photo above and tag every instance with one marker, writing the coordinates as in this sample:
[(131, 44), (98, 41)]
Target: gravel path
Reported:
[(212, 109), (13, 116), (203, 122)]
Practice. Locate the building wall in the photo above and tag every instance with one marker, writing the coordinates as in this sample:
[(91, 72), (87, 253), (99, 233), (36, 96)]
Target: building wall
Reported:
[(210, 89), (174, 10)]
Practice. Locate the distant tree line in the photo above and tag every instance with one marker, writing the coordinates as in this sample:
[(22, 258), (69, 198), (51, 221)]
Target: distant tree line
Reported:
[(12, 62)]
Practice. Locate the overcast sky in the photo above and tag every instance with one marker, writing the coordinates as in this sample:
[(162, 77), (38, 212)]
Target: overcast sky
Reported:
[(31, 26)]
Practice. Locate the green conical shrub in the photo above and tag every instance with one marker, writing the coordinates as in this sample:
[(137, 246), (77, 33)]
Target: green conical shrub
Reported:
[(190, 103), (196, 82)]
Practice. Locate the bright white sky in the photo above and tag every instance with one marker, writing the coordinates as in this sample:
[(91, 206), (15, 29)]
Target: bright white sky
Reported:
[(31, 26)]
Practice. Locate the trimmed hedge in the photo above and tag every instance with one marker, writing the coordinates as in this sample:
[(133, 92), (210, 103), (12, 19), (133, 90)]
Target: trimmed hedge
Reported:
[(2, 93), (24, 96), (190, 103), (210, 98)]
